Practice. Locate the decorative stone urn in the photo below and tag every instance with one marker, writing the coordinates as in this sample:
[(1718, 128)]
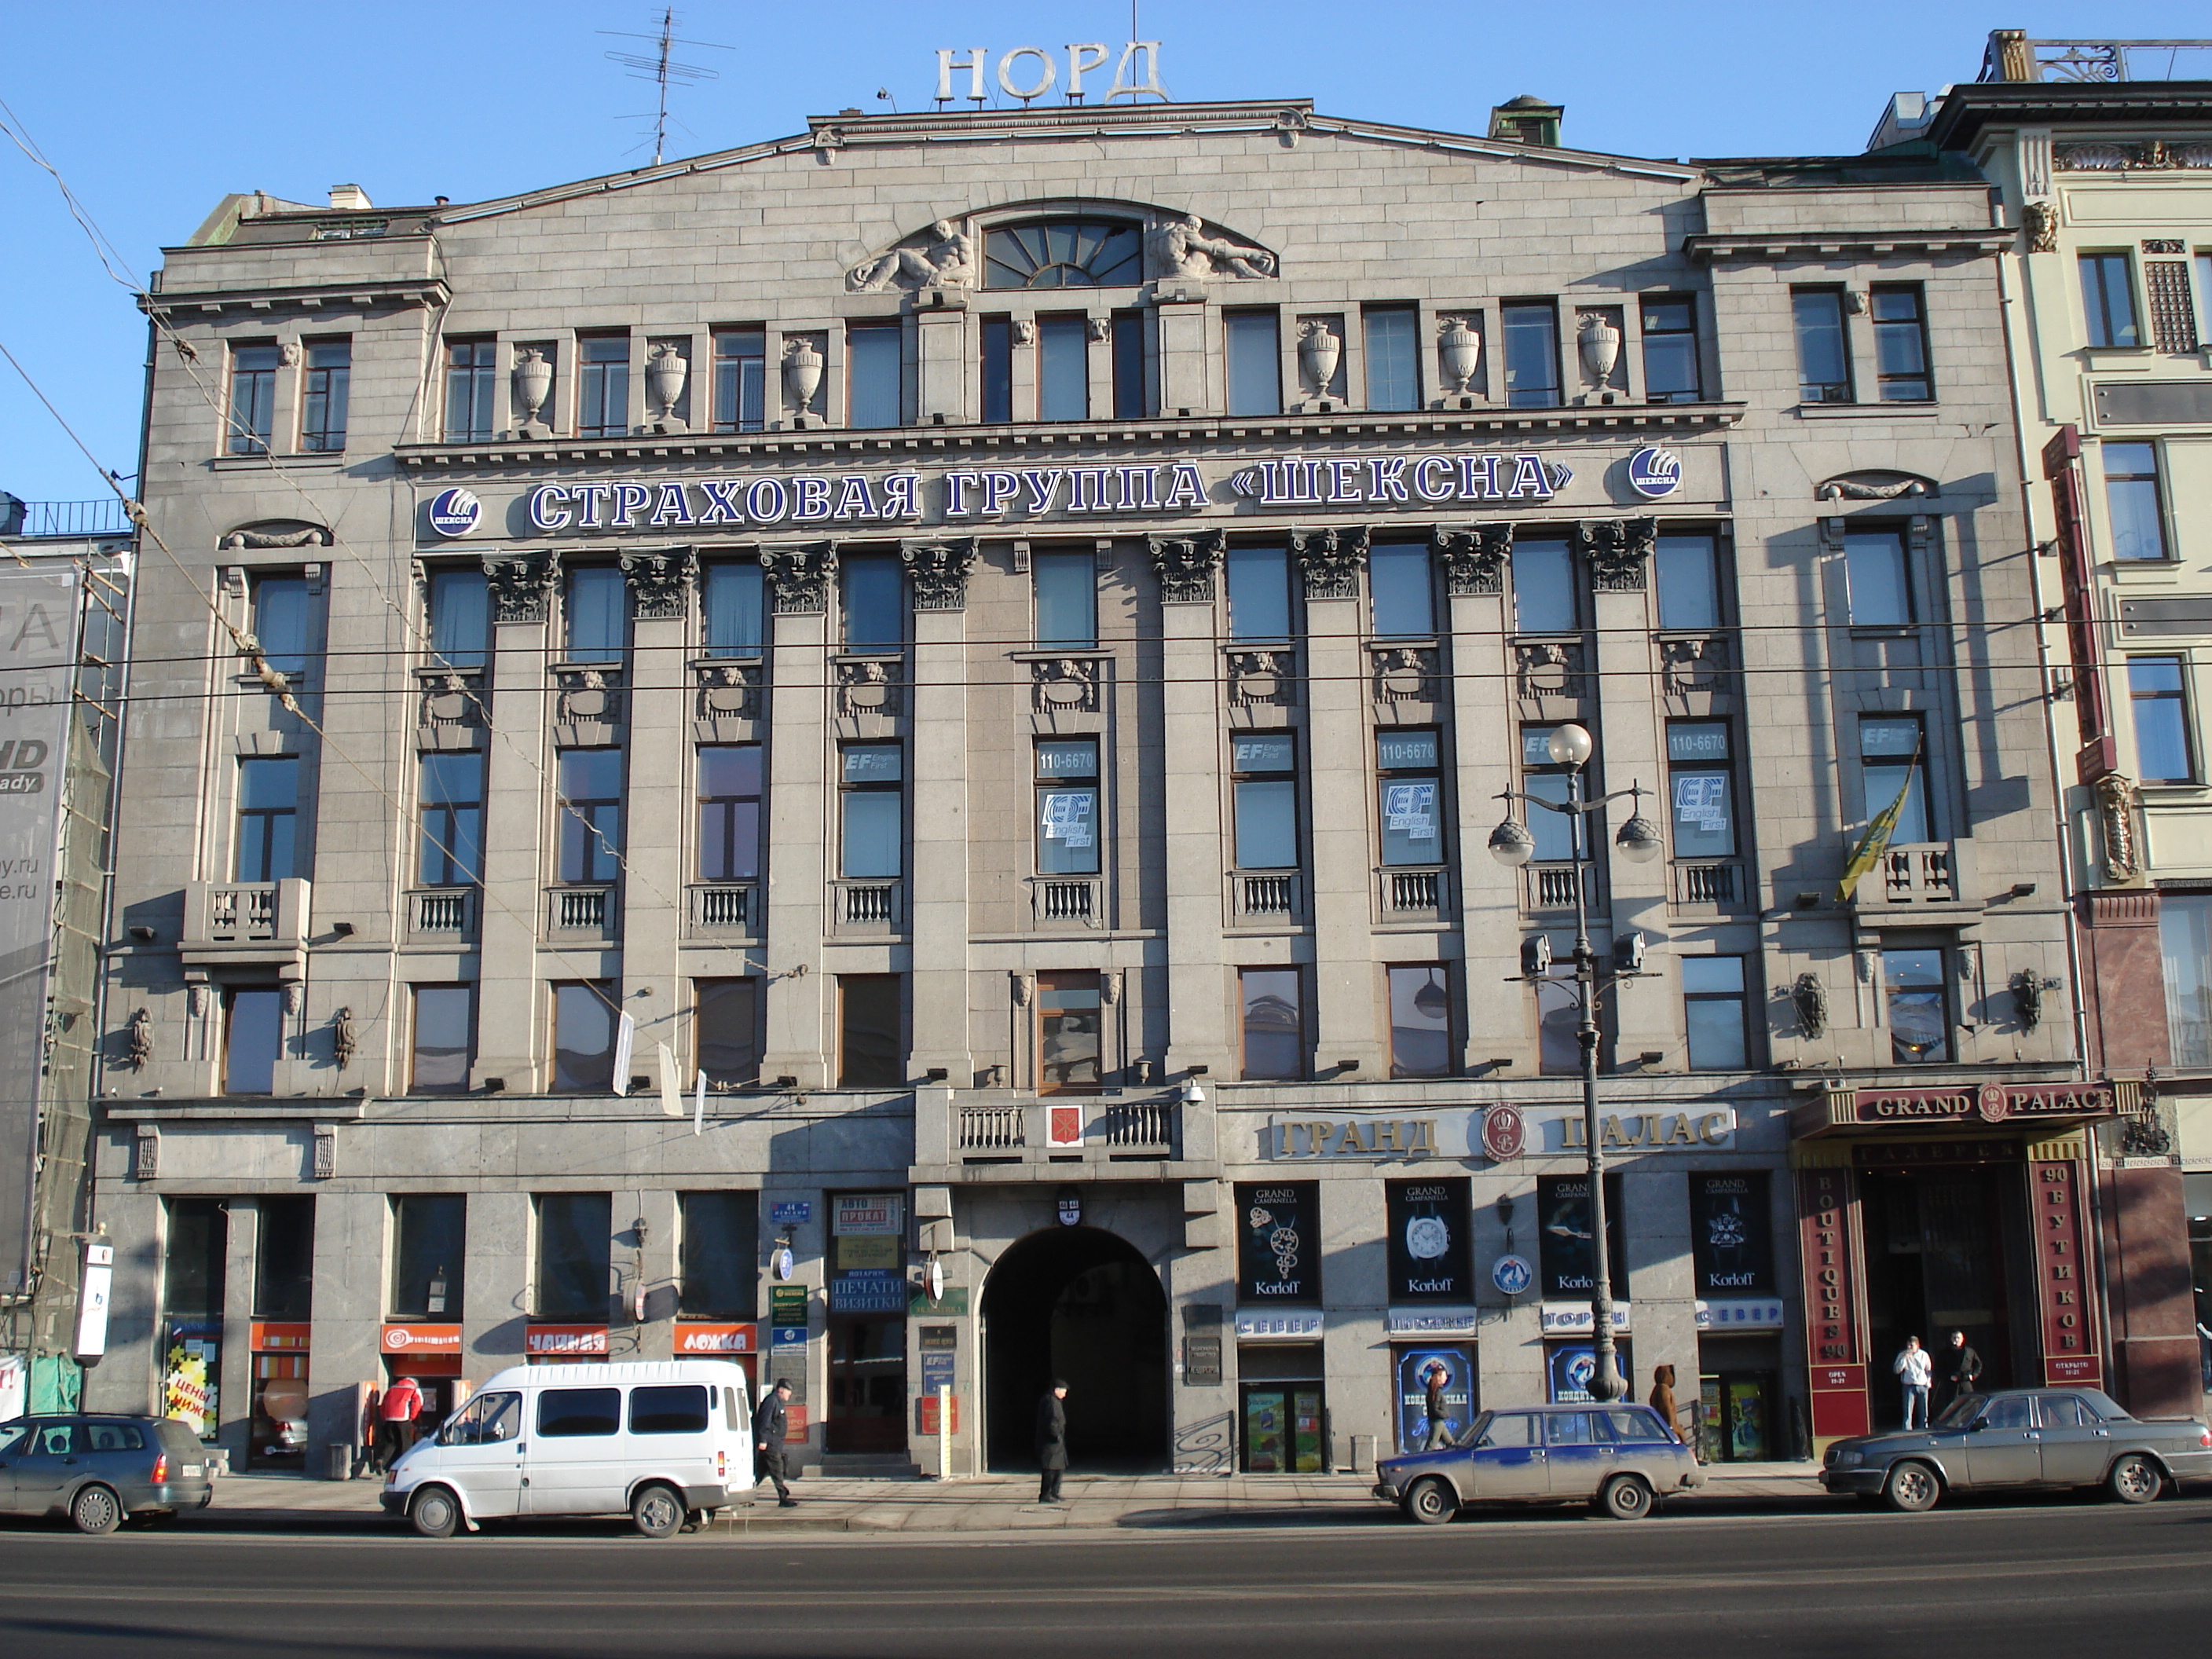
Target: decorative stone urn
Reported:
[(665, 374), (1599, 341), (802, 378), (1459, 348), (533, 384), (1319, 350)]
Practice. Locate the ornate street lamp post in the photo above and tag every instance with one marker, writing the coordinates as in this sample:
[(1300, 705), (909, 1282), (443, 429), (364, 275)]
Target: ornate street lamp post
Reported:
[(1512, 845)]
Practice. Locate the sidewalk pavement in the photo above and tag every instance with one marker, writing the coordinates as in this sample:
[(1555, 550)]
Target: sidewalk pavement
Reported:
[(1007, 1503)]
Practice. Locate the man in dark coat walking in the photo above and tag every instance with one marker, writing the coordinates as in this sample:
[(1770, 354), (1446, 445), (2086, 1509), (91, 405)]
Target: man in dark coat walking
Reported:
[(767, 1440), (1962, 1369), (1052, 1440)]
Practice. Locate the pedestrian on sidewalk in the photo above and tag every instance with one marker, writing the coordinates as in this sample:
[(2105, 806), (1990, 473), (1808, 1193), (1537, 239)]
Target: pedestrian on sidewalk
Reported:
[(769, 1423), (395, 1421), (1434, 1376), (1052, 1440), (1662, 1399), (1914, 1369), (1963, 1369)]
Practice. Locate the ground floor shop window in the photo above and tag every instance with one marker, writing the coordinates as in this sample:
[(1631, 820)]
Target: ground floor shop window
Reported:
[(867, 1386), (1282, 1409), (1446, 1371), (1735, 1417), (1568, 1367)]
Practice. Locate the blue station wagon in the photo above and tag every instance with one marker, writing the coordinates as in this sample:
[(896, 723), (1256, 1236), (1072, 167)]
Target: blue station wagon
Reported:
[(1619, 1457)]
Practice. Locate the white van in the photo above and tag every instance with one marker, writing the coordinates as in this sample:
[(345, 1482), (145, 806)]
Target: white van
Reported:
[(666, 1440)]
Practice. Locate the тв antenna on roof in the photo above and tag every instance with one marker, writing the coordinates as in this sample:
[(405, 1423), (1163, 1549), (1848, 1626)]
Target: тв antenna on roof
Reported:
[(662, 68)]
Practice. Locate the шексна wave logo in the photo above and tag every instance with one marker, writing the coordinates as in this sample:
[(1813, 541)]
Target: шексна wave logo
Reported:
[(455, 511), (1654, 471)]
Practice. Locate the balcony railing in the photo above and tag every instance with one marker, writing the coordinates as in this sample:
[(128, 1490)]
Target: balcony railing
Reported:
[(1551, 886), (1413, 892), (1060, 900), (1721, 884), (244, 924), (866, 905), (580, 910), (444, 911), (722, 907), (103, 517), (992, 1129), (1916, 873), (1143, 1125), (1265, 898)]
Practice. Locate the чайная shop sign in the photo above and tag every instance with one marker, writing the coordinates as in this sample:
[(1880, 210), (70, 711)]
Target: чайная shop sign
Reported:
[(994, 495)]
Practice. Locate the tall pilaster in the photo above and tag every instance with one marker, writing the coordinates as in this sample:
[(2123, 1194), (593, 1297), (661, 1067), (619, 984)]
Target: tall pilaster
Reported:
[(1473, 561), (937, 889), (655, 837), (801, 850), (1190, 738)]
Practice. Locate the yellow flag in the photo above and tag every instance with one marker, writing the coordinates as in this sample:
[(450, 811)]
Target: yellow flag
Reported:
[(1872, 844)]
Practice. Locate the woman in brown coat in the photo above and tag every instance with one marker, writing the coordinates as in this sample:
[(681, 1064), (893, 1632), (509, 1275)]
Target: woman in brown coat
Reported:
[(1662, 1397)]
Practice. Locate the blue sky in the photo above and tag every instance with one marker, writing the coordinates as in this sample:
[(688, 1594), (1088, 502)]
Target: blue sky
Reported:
[(152, 111)]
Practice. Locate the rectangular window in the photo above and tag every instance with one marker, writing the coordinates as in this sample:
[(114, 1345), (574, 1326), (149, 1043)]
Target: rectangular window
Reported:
[(576, 1250), (1701, 784), (1670, 349), (733, 608), (1393, 377), (729, 812), (444, 1039), (1900, 343), (727, 1012), (717, 1277), (1255, 363), (869, 1049), (875, 375), (472, 375), (196, 1258), (2202, 265), (1879, 577), (429, 1255), (1273, 1023), (1689, 583), (590, 809), (1410, 798), (998, 367), (268, 819), (284, 1258), (1532, 354), (596, 608), (1420, 1020), (452, 851), (1259, 593), (1066, 589), (2133, 499), (603, 388), (1402, 590), (2163, 751), (1070, 1012), (461, 618), (1713, 1013), (1129, 400), (740, 379), (1063, 368), (252, 398), (252, 1039), (583, 1037), (2108, 301), (1919, 1023), (872, 798), (1559, 1022), (1067, 807), (2185, 937), (1265, 787), (1824, 357), (323, 409), (871, 591), (1558, 834), (1543, 589), (670, 1408), (1894, 763), (578, 1413), (284, 624)]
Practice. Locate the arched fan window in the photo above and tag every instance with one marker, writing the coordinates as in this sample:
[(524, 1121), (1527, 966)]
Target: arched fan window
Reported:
[(1064, 253)]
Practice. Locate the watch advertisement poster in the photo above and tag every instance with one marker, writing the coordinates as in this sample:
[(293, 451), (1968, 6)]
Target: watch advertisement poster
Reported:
[(1430, 1256)]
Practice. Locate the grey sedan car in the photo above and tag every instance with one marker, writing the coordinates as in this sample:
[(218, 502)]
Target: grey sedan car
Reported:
[(2021, 1438), (1619, 1457), (99, 1470)]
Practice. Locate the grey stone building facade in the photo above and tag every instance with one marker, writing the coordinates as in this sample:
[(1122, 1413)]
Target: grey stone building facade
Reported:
[(995, 640)]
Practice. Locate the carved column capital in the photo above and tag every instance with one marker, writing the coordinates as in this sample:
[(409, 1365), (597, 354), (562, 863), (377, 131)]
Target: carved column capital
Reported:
[(940, 570), (660, 582), (1186, 565), (1473, 558), (799, 578), (522, 583), (1619, 551), (1330, 560)]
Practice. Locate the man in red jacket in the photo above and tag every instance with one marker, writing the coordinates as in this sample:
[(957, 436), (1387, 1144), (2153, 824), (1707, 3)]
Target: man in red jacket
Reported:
[(395, 1421)]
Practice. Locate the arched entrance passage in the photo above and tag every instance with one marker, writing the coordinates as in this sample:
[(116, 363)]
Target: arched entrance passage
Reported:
[(1078, 1303)]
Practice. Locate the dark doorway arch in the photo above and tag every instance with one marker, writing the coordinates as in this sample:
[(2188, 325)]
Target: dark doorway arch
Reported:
[(1078, 1303)]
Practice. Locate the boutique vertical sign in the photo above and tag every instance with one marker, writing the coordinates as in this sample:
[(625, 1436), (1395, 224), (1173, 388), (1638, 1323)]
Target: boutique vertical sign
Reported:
[(1279, 1242), (1431, 1260), (1828, 1244)]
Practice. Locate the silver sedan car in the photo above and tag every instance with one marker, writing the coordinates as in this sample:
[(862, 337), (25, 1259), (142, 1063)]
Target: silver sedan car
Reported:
[(1619, 1457)]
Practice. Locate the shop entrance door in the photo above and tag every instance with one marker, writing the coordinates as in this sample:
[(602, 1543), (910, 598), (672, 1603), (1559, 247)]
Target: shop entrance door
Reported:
[(1078, 1303), (1282, 1429), (867, 1385), (1946, 1250), (1735, 1417)]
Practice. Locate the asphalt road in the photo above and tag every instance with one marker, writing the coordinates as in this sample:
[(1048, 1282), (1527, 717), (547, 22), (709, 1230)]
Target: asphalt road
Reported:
[(2024, 1580)]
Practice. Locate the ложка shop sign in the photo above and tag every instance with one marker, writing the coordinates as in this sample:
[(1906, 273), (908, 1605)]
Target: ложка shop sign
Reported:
[(830, 499)]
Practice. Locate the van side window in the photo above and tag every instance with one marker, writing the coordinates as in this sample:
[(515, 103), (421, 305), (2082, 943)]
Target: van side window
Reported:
[(730, 1404), (486, 1420), (679, 1409), (578, 1412)]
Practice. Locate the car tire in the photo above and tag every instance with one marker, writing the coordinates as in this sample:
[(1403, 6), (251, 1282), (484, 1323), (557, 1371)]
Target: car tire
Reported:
[(96, 1509), (2134, 1480), (1913, 1488), (657, 1511), (1431, 1502), (1626, 1498), (435, 1512)]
